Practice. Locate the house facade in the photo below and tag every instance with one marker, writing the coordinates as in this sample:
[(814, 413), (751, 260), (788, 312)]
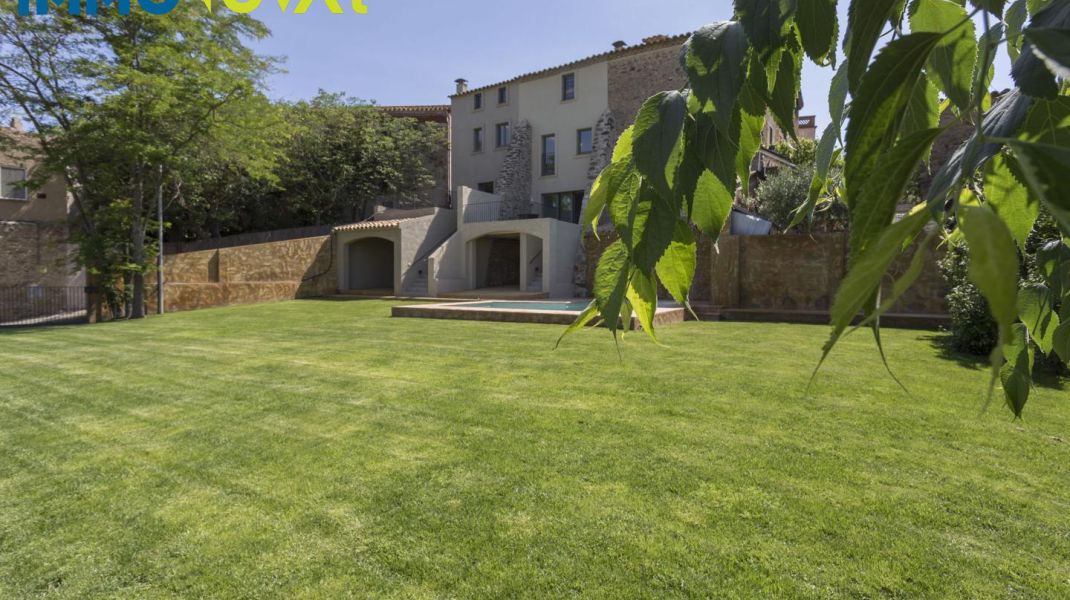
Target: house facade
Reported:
[(525, 152)]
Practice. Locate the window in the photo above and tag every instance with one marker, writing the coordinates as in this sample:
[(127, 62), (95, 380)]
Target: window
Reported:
[(477, 139), (585, 141), (477, 101), (564, 206), (501, 135), (568, 87), (11, 179), (487, 187), (549, 154), (503, 95)]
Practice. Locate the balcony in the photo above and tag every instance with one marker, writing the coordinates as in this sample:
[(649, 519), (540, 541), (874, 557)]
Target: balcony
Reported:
[(500, 210)]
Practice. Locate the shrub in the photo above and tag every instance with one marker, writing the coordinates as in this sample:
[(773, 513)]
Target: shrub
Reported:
[(973, 330), (785, 190)]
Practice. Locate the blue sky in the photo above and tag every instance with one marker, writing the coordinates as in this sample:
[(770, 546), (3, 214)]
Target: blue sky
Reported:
[(410, 51)]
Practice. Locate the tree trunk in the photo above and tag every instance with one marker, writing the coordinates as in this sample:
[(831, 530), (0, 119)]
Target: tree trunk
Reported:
[(137, 244)]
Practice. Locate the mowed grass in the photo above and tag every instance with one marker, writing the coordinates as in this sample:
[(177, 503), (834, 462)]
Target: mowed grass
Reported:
[(322, 449)]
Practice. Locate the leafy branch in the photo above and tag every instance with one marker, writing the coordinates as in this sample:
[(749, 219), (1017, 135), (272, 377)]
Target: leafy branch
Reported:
[(689, 152)]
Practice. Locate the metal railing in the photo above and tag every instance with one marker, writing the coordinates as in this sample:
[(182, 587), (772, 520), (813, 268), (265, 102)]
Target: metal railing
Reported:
[(500, 210), (27, 305)]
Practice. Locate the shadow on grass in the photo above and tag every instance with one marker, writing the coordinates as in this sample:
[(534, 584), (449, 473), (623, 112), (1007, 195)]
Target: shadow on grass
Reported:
[(1046, 374)]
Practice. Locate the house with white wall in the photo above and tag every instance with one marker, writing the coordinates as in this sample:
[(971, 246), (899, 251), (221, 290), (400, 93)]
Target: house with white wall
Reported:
[(524, 153)]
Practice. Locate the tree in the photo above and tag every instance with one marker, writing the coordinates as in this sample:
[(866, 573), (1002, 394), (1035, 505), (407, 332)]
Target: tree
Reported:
[(347, 154), (778, 199), (121, 104), (688, 148)]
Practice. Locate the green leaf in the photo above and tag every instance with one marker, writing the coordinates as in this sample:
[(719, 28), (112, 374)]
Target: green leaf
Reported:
[(905, 281), (994, 7), (676, 269), (817, 23), (750, 141), (622, 152), (657, 129), (588, 315), (1001, 121), (1010, 200), (1017, 374), (952, 61), (923, 109), (865, 22), (785, 95), (873, 205), (623, 203), (719, 148), (1053, 263), (875, 111), (1029, 72), (1015, 20), (611, 283), (605, 189), (765, 22), (859, 288), (654, 235), (1048, 122), (1052, 45), (643, 297), (1037, 311), (715, 60), (838, 95), (993, 263), (712, 204), (1060, 341), (1044, 168)]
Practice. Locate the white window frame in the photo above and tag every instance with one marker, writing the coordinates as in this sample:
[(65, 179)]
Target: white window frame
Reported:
[(25, 175)]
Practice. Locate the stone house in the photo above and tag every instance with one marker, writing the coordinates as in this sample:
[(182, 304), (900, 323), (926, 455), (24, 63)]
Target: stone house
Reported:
[(524, 153)]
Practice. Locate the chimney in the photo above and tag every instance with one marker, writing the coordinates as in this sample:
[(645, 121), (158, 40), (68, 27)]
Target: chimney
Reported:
[(16, 124), (462, 86), (620, 45)]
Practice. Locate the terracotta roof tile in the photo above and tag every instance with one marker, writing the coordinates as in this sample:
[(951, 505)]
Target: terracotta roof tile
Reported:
[(370, 225)]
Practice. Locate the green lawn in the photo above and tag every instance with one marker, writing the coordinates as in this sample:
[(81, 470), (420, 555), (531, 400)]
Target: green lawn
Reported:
[(322, 449)]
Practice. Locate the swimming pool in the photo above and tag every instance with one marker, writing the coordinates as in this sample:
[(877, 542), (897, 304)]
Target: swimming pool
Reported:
[(556, 312), (575, 306)]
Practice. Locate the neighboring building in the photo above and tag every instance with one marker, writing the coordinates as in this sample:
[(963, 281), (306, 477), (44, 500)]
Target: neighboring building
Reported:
[(34, 246)]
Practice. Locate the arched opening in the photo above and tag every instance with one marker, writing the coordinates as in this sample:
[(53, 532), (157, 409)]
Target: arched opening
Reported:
[(497, 261), (371, 265)]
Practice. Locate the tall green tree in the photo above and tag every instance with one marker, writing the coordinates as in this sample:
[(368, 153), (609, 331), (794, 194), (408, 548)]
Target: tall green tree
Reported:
[(678, 162), (346, 154), (121, 104)]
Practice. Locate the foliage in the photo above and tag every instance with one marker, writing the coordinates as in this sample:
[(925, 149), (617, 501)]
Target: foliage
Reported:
[(419, 472), (802, 152), (123, 105), (338, 157), (972, 328), (778, 199), (680, 158)]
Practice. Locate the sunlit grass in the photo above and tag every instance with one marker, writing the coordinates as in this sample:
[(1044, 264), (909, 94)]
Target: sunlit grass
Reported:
[(323, 449)]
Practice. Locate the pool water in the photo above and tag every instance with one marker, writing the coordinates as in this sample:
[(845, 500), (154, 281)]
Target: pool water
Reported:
[(576, 306)]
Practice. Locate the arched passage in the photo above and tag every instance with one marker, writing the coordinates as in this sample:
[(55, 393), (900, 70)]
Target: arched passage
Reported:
[(371, 265)]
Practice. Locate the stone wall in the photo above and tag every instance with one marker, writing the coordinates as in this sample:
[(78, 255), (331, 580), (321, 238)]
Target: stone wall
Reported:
[(787, 272), (36, 254), (636, 77), (271, 272), (513, 184)]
